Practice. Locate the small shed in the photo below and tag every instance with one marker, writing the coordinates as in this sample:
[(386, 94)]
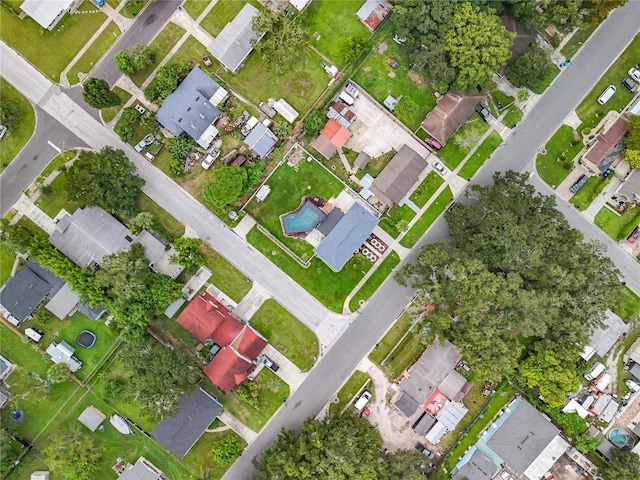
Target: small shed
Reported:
[(390, 102), (40, 475), (362, 160), (92, 418), (287, 111), (373, 12)]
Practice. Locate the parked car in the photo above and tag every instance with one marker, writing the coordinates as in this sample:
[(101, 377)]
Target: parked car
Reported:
[(484, 113), (207, 61), (439, 167), (362, 401), (270, 363), (422, 449), (210, 158), (635, 74), (504, 475), (432, 142), (635, 235), (629, 85), (144, 143)]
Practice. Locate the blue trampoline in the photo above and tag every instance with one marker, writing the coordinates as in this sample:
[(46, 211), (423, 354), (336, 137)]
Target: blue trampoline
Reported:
[(302, 220)]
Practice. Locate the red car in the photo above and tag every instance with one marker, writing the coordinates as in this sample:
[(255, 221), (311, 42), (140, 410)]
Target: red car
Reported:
[(432, 142), (635, 235)]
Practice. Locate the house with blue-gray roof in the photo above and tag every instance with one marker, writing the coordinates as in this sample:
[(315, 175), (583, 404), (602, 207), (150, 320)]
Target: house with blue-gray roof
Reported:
[(192, 108), (261, 140), (348, 235)]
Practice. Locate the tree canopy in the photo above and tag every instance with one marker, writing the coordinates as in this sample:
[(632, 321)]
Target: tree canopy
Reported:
[(632, 142), (625, 465), (124, 63), (283, 38), (73, 455), (165, 82), (314, 122), (225, 185), (518, 271), (141, 56), (340, 447), (97, 94), (106, 179), (10, 114), (530, 69)]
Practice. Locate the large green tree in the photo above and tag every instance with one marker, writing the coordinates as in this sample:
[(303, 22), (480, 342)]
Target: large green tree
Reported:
[(477, 45), (530, 69), (97, 94), (141, 56), (124, 63), (10, 114), (73, 455), (625, 465), (225, 185), (106, 179), (632, 142), (598, 10), (283, 40), (165, 82)]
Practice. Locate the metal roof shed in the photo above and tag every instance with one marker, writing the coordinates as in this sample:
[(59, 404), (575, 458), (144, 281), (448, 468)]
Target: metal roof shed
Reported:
[(47, 13), (261, 140), (287, 111), (91, 418)]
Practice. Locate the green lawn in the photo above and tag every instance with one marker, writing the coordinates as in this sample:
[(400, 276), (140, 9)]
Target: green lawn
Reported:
[(139, 131), (20, 133), (225, 276), (161, 216), (590, 111), (575, 42), (375, 280), (160, 47), (289, 185), (55, 164), (55, 199), (513, 116), (458, 146), (405, 355), (484, 151), (94, 53), (390, 339), (542, 85), (428, 217), (426, 189), (50, 51), (222, 13), (199, 457), (110, 113), (7, 257), (562, 146), (626, 304), (329, 287), (349, 389), (133, 7), (195, 7), (588, 193), (286, 333), (617, 226), (379, 80), (396, 218), (330, 22), (375, 165)]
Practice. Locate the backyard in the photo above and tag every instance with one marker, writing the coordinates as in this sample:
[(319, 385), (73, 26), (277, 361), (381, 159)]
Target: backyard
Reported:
[(95, 52), (61, 45), (461, 143), (554, 165), (483, 152), (617, 226), (374, 281), (19, 134), (286, 334), (428, 217)]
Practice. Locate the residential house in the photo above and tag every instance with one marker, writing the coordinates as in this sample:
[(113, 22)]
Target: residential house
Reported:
[(629, 190), (332, 137), (452, 110), (235, 346), (47, 13), (6, 367), (63, 353), (474, 465), (348, 234), (236, 40), (607, 147), (92, 418), (396, 180), (192, 108), (143, 469), (285, 110), (373, 12), (261, 140), (196, 412), (341, 114), (604, 337), (91, 233)]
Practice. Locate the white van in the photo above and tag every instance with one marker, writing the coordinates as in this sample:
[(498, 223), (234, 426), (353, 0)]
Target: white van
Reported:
[(34, 334), (597, 369), (606, 95), (363, 400), (346, 98)]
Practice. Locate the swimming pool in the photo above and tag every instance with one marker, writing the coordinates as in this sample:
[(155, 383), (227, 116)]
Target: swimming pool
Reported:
[(302, 220), (619, 437)]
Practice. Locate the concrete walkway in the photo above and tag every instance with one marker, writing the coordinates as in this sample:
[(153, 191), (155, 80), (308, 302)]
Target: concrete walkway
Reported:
[(603, 197), (182, 18), (30, 210), (244, 226), (252, 301), (288, 372), (238, 427)]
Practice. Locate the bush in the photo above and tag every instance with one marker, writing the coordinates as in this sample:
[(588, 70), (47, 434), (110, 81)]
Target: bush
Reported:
[(313, 123), (224, 452), (531, 68)]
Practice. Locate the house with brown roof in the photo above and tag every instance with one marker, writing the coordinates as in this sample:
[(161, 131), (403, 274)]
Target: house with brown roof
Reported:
[(396, 179), (341, 114), (524, 35), (332, 137), (210, 322), (607, 147), (452, 110)]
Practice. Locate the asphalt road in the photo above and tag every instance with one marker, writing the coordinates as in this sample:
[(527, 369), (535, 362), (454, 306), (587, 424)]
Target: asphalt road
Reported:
[(34, 157), (518, 154)]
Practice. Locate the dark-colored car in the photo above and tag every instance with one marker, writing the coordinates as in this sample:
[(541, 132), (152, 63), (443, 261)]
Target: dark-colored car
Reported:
[(484, 112), (270, 363), (635, 235), (578, 184), (432, 142), (629, 85), (422, 449)]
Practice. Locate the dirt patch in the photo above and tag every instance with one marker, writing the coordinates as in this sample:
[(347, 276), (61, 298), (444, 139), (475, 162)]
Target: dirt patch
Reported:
[(382, 47), (392, 74), (416, 78), (367, 68)]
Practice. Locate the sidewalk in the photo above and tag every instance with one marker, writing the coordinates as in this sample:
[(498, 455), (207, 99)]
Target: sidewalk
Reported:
[(30, 210), (238, 427), (251, 302)]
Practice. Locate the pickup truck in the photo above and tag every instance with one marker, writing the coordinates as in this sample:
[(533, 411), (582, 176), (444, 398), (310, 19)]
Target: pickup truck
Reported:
[(144, 143)]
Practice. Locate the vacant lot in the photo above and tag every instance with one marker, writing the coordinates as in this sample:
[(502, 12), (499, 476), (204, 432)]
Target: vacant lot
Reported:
[(94, 53), (50, 51), (330, 22), (561, 149), (20, 133), (286, 333), (160, 47)]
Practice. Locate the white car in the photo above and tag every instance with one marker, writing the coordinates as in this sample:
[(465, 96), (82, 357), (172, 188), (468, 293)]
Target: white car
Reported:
[(635, 74), (440, 168), (209, 159)]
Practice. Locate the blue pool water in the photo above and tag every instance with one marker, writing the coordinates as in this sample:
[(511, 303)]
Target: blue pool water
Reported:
[(618, 438), (303, 220)]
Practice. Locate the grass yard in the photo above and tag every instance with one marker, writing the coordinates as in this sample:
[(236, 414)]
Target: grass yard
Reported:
[(288, 187), (349, 390), (617, 226), (55, 164), (588, 193), (7, 258), (110, 113), (272, 390), (139, 131), (626, 304), (377, 77), (20, 133), (484, 151), (458, 146), (161, 216), (199, 457), (428, 217), (133, 7), (390, 339), (590, 111), (375, 165), (330, 22), (563, 146), (222, 13), (542, 85), (577, 39), (160, 47), (195, 7), (286, 333), (225, 276), (407, 352), (513, 116), (396, 220), (50, 51), (95, 52), (375, 280), (329, 287), (55, 197), (426, 189)]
